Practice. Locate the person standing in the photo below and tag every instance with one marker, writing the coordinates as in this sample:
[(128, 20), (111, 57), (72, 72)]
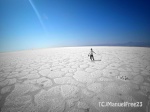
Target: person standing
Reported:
[(91, 54)]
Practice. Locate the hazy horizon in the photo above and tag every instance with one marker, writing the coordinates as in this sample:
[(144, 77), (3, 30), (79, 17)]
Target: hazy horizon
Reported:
[(32, 24)]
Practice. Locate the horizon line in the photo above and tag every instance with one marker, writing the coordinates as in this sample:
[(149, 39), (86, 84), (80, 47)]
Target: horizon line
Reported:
[(101, 45)]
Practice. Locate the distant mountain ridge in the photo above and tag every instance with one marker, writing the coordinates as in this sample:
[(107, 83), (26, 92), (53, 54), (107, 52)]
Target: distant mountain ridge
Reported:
[(136, 44)]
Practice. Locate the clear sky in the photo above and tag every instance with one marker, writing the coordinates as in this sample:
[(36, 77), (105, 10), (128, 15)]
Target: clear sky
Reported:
[(29, 24)]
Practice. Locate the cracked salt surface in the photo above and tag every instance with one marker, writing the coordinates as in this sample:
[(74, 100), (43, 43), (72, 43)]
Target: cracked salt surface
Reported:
[(67, 81)]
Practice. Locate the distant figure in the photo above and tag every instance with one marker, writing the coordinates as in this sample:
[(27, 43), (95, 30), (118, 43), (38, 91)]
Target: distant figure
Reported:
[(91, 54)]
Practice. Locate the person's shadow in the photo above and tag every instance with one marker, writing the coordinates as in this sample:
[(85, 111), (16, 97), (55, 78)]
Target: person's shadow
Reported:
[(97, 60)]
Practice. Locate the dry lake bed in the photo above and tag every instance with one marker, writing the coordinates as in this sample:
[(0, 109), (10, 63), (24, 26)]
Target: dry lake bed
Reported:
[(66, 80)]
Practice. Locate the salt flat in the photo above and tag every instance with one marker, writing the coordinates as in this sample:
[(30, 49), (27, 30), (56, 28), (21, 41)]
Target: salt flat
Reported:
[(66, 80)]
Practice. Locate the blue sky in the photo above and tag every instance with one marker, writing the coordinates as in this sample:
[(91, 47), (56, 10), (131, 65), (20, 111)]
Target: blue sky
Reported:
[(29, 24)]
